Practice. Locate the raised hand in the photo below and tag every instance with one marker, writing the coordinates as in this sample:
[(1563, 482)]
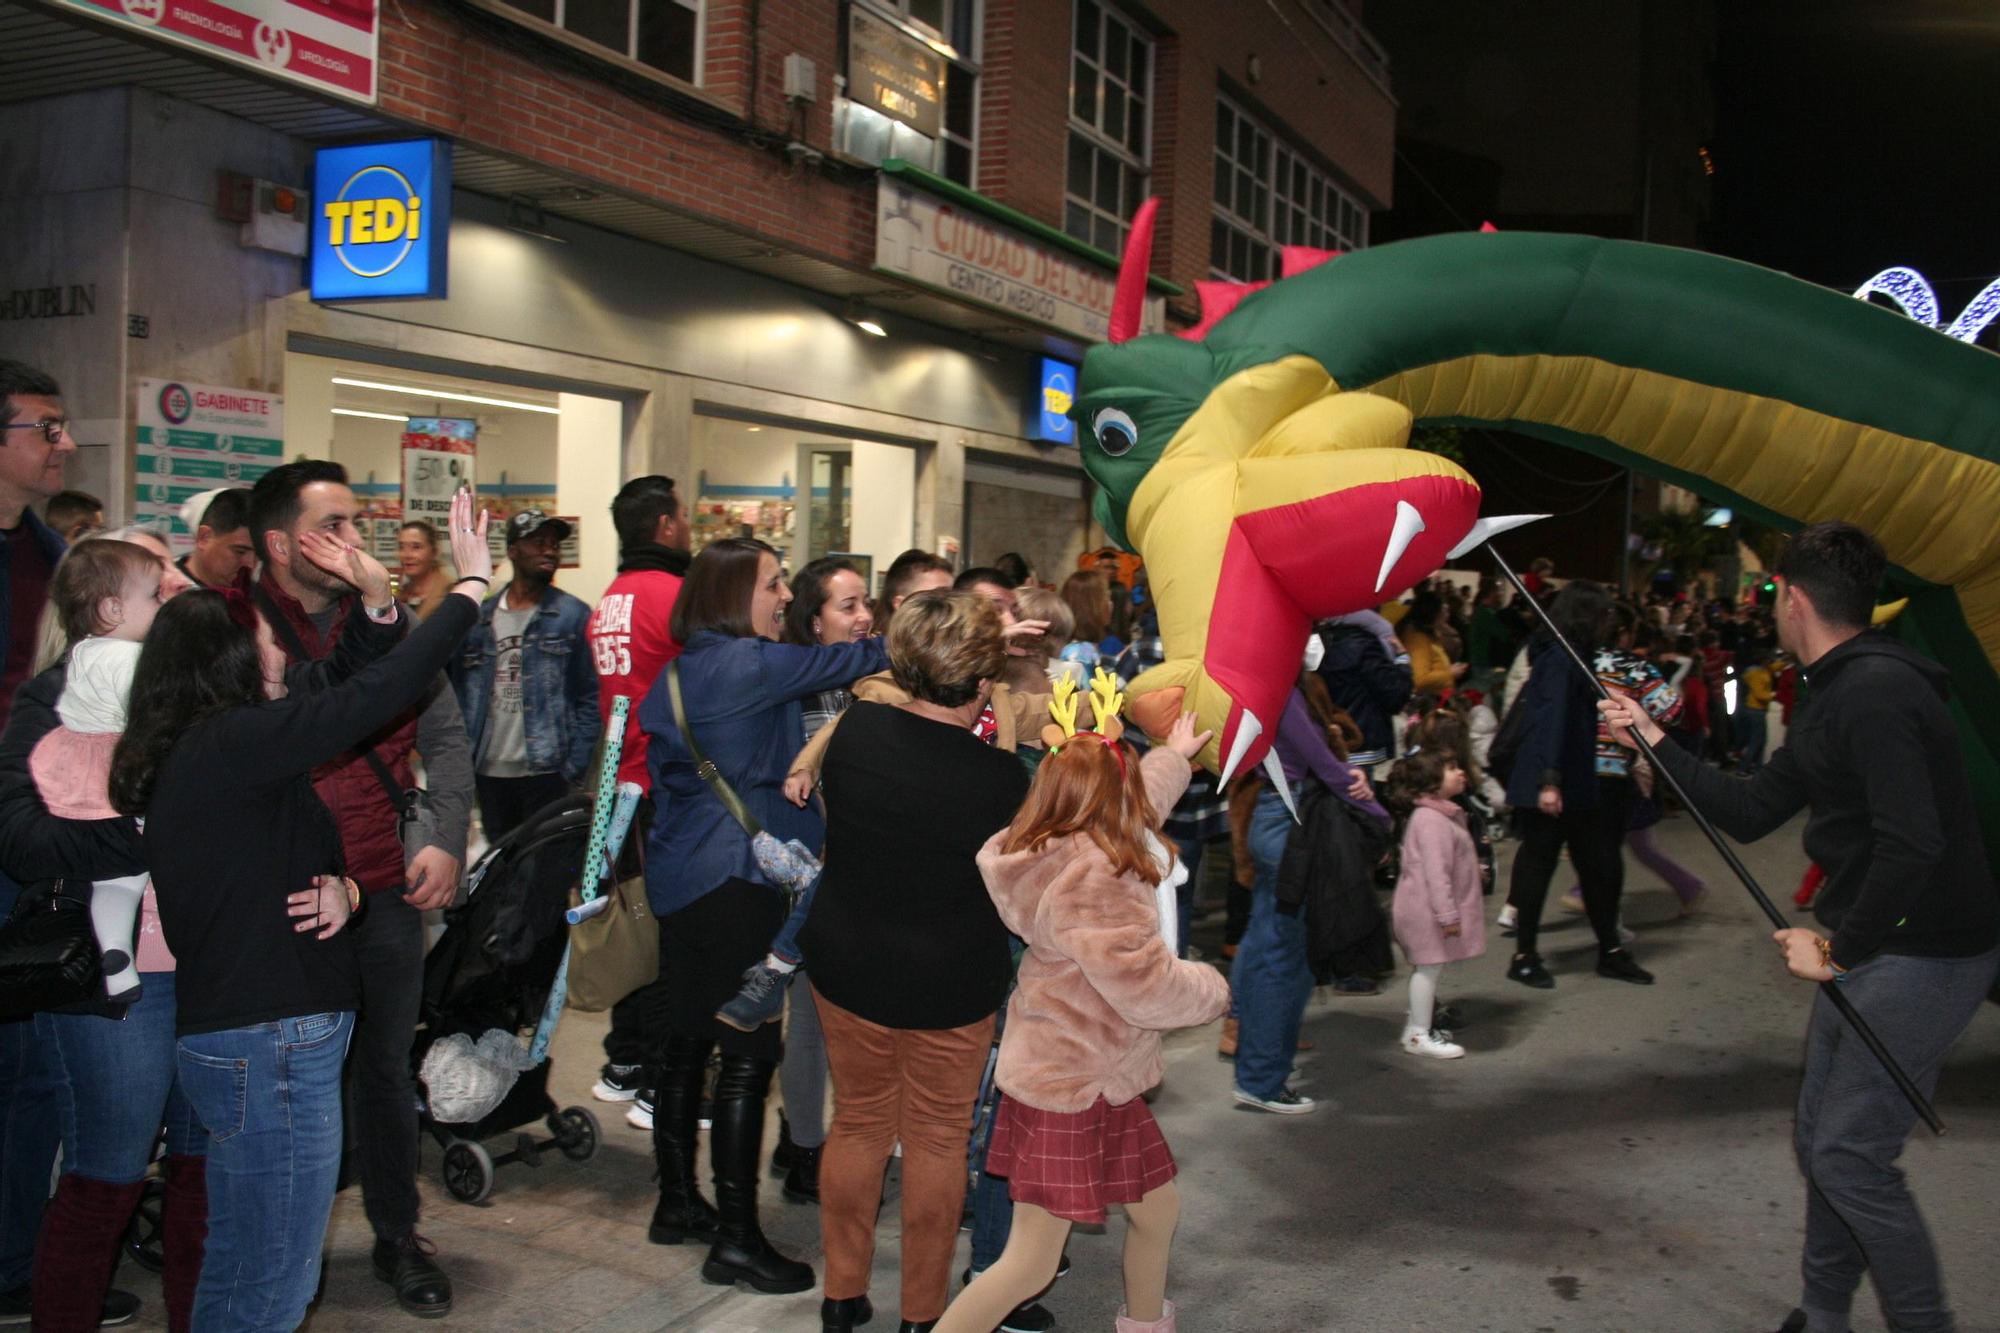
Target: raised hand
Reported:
[(469, 551), (1184, 740), (351, 563)]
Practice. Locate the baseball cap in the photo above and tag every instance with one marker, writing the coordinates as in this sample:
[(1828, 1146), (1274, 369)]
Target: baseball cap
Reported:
[(530, 521)]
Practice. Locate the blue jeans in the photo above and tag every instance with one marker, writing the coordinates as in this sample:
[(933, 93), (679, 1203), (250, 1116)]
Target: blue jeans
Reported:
[(1753, 730), (270, 1095), (786, 943), (29, 1135), (1271, 979), (116, 1085)]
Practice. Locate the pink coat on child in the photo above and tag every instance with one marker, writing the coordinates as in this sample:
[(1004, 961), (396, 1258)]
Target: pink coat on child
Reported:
[(1439, 886)]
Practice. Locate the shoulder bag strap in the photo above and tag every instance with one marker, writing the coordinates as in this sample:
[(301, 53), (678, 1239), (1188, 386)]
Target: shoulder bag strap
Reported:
[(710, 774), (398, 798)]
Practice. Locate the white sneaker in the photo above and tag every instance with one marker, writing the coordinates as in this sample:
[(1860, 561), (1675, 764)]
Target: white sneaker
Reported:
[(640, 1116), (1509, 918), (1432, 1044)]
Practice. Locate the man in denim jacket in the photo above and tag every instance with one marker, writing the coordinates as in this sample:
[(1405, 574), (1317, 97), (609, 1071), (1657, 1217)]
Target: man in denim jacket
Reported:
[(527, 685)]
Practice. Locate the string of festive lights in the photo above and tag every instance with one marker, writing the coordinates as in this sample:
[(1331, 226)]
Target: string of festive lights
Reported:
[(1914, 296)]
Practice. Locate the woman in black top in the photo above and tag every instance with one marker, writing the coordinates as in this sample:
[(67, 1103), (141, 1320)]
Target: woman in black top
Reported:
[(218, 757), (909, 959)]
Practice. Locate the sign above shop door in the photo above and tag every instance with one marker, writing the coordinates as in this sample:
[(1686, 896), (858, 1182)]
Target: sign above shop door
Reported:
[(381, 224)]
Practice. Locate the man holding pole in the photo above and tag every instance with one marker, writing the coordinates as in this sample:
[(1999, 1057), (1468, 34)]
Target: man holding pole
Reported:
[(1910, 906)]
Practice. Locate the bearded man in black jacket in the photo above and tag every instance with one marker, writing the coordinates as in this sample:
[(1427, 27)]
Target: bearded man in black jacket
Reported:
[(1910, 911)]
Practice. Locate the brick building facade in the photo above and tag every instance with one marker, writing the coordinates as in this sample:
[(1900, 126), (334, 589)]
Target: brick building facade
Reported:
[(669, 227)]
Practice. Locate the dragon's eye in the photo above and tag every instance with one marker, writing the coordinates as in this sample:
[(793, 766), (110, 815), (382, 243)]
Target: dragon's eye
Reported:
[(1114, 431)]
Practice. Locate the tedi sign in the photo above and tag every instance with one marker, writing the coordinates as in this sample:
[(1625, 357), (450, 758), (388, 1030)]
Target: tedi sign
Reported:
[(381, 221)]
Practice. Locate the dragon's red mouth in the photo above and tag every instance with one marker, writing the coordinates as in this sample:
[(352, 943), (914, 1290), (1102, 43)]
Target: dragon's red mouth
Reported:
[(1289, 566)]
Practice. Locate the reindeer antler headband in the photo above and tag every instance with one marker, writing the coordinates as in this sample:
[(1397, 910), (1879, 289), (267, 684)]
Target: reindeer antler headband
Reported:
[(1106, 701)]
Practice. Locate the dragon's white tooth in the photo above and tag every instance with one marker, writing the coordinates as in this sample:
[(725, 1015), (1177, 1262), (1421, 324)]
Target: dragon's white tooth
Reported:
[(1409, 522), (1486, 529), (1274, 768), (1247, 732)]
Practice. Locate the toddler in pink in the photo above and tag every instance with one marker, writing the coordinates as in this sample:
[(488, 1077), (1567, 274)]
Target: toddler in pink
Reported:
[(106, 594), (1439, 916)]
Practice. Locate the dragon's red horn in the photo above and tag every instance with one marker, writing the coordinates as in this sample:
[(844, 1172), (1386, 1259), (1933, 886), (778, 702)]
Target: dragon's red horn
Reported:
[(1128, 304)]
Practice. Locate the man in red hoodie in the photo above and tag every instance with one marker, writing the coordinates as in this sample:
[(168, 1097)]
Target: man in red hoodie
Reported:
[(305, 607), (631, 646)]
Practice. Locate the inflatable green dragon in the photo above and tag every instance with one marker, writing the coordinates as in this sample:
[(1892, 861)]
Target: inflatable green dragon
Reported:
[(1263, 475)]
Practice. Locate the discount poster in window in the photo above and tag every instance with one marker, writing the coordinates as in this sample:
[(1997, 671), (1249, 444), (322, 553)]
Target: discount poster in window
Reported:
[(437, 455)]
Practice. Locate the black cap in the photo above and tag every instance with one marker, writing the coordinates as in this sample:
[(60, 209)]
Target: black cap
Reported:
[(530, 521)]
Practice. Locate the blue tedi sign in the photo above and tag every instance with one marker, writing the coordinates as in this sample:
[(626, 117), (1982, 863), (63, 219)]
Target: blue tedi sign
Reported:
[(381, 220), (1053, 398)]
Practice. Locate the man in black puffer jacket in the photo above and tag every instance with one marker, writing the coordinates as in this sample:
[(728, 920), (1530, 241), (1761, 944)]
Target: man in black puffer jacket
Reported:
[(1909, 904)]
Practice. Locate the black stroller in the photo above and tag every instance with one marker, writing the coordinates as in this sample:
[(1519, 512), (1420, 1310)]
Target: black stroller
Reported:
[(494, 967)]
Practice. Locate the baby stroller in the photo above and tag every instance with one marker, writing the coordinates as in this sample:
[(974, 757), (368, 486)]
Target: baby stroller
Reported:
[(493, 968)]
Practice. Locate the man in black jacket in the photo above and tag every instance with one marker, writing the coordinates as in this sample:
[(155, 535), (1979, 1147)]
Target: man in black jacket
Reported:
[(1367, 679), (1909, 906)]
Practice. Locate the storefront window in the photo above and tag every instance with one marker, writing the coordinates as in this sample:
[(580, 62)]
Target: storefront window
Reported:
[(1111, 84), (662, 34), (522, 448), (1267, 195), (809, 493)]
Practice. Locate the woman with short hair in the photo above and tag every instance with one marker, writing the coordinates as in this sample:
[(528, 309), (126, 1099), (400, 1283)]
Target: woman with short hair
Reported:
[(910, 962), (744, 692)]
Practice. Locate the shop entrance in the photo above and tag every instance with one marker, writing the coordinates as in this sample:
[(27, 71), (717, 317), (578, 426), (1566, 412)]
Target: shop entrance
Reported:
[(807, 491), (1039, 513), (404, 436)]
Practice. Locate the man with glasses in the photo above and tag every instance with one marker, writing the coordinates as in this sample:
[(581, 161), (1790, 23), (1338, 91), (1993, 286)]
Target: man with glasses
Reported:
[(35, 444)]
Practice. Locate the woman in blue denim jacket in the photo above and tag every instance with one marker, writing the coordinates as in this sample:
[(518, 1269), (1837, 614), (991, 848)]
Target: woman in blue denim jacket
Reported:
[(744, 692)]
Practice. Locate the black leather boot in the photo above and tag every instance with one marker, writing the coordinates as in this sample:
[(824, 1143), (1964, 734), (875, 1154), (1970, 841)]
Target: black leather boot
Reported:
[(741, 1254), (802, 1181), (786, 1152), (682, 1213), (845, 1315), (913, 1326)]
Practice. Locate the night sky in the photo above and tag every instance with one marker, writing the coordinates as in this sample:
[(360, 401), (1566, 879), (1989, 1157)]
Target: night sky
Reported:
[(1852, 136)]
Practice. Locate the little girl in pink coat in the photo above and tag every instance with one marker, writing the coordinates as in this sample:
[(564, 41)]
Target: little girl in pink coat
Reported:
[(1439, 917)]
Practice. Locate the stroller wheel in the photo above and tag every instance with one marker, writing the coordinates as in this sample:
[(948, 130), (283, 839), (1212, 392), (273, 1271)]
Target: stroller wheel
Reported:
[(143, 1235), (468, 1171), (577, 1133)]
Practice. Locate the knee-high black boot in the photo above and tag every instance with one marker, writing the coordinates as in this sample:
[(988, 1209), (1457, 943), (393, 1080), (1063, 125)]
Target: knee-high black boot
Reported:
[(682, 1213), (736, 1135)]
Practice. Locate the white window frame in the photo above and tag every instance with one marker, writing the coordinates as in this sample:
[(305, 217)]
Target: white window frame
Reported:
[(1341, 224), (1091, 131), (625, 59), (901, 139)]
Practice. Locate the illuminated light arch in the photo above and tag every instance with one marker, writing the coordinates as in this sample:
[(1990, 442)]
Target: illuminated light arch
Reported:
[(1972, 321), (1909, 290)]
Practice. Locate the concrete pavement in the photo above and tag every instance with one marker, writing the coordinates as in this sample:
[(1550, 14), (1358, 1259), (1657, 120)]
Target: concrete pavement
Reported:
[(1607, 1158)]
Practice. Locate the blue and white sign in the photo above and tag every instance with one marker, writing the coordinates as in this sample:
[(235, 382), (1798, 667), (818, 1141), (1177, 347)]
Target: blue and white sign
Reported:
[(381, 220), (1051, 422)]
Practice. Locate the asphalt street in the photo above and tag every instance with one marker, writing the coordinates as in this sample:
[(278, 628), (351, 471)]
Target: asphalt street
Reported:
[(1607, 1157)]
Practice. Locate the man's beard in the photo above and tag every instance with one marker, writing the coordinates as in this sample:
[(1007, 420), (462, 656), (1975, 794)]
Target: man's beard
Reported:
[(535, 576), (312, 576)]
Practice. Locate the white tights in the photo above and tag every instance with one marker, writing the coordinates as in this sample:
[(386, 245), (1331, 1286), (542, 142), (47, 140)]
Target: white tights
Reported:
[(114, 919), (1423, 998)]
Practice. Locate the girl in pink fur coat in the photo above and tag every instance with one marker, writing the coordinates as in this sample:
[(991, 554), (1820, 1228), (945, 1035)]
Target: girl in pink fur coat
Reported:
[(1078, 876), (1438, 915)]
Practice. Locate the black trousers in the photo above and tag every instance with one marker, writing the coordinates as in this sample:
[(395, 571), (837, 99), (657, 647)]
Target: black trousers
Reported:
[(1596, 841), (381, 1080), (506, 803)]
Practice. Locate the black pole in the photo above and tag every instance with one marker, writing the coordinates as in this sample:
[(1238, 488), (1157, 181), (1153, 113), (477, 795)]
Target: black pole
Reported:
[(1830, 989)]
